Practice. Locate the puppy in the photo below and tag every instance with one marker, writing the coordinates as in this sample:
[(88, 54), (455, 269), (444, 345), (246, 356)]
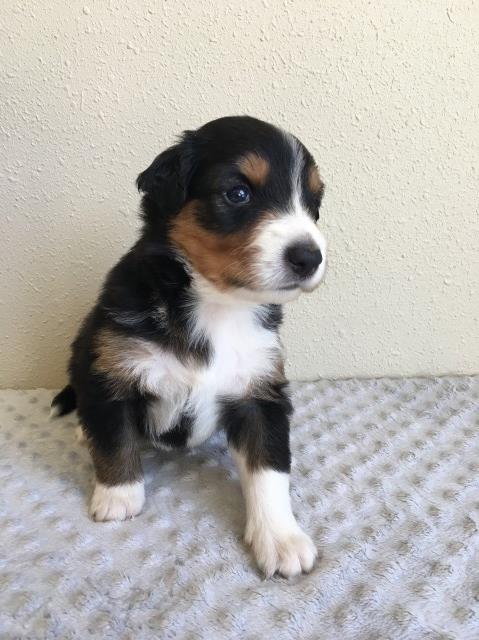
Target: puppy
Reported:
[(183, 339)]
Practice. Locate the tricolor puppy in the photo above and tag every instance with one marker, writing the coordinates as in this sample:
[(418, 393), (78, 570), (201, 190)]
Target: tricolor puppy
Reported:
[(183, 339)]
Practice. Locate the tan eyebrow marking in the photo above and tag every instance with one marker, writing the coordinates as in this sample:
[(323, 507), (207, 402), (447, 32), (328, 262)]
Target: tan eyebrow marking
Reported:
[(255, 167), (314, 181)]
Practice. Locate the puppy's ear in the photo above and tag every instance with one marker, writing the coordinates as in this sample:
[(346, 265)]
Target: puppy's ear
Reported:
[(167, 179)]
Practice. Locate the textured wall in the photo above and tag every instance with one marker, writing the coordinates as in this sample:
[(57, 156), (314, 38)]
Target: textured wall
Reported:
[(384, 94)]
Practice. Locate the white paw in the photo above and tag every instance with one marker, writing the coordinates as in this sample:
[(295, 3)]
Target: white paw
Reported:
[(288, 552), (118, 502)]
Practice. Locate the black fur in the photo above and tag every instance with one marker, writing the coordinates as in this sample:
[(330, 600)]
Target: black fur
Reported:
[(271, 316), (259, 428), (166, 182), (65, 401), (178, 436)]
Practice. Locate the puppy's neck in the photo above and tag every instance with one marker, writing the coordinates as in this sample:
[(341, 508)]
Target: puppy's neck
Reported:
[(239, 298), (210, 295)]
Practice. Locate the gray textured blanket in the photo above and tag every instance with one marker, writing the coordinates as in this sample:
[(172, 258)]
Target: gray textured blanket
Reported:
[(385, 479)]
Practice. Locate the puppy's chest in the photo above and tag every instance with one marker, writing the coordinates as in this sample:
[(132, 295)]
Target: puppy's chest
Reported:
[(242, 351)]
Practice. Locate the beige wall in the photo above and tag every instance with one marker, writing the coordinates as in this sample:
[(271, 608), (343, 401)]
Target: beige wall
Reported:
[(385, 94)]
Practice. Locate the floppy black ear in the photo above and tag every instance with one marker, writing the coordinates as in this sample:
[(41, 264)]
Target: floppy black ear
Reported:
[(167, 179)]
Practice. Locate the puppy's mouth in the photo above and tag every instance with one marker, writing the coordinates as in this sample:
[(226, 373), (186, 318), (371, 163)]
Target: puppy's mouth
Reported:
[(301, 286), (304, 286), (290, 287)]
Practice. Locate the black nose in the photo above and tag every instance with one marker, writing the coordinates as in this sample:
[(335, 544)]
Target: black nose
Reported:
[(303, 259)]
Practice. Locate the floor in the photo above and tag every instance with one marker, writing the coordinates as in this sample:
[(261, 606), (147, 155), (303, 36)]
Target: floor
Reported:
[(385, 479)]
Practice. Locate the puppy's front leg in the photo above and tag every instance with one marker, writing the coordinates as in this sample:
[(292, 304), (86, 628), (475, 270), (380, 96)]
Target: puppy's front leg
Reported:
[(258, 434)]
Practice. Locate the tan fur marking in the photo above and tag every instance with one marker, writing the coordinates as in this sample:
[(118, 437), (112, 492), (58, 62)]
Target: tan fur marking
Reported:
[(223, 260), (255, 168), (114, 352), (263, 387), (314, 181)]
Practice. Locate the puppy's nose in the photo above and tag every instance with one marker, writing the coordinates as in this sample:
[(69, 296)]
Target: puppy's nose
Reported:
[(303, 259)]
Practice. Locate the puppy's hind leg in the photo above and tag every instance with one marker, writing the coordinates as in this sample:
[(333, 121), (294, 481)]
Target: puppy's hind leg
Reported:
[(113, 441)]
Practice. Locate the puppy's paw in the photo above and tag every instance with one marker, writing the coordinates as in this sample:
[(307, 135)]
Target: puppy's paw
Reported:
[(118, 502), (288, 553)]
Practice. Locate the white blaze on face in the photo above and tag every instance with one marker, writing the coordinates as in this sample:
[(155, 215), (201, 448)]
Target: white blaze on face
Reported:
[(292, 226)]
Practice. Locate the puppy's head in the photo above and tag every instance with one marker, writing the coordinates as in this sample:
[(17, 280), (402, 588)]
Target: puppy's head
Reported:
[(239, 199)]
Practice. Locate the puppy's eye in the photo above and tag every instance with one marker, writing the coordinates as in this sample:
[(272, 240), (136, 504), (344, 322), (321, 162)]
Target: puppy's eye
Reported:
[(238, 195)]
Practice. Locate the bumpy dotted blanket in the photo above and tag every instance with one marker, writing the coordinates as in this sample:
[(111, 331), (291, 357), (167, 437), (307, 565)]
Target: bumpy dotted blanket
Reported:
[(385, 479)]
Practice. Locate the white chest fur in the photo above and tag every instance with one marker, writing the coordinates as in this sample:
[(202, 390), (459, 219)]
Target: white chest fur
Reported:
[(242, 350)]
